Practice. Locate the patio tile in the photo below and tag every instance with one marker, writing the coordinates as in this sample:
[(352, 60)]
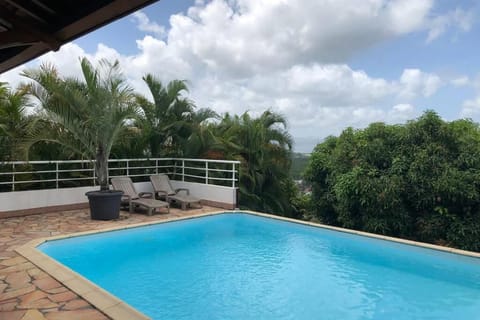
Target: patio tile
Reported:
[(13, 261), (5, 253), (17, 267), (62, 297), (33, 315), (38, 304), (12, 315), (32, 296), (47, 283), (89, 314), (8, 305), (56, 290), (76, 304), (18, 279), (16, 293)]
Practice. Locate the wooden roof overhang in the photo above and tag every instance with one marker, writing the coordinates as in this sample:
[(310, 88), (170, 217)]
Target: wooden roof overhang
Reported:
[(30, 28)]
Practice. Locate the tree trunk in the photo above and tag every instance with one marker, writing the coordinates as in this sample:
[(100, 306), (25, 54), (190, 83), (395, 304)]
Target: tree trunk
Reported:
[(101, 168)]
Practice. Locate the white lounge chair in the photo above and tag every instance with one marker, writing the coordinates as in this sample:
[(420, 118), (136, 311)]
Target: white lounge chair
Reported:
[(164, 190)]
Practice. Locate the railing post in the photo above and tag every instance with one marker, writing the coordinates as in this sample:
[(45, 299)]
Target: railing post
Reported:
[(183, 170), (94, 176), (128, 169), (56, 174), (233, 175), (206, 172), (13, 176), (156, 166)]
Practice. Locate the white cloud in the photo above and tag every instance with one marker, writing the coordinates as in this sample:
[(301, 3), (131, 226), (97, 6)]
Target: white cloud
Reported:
[(414, 82), (155, 56), (408, 16), (458, 19), (403, 108), (471, 108), (144, 24), (12, 77), (298, 91), (254, 36), (460, 81)]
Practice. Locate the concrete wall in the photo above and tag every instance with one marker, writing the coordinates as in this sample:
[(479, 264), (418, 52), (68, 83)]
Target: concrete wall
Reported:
[(20, 203), (207, 192)]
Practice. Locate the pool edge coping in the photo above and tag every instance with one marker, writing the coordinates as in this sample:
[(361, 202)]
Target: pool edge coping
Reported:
[(118, 309)]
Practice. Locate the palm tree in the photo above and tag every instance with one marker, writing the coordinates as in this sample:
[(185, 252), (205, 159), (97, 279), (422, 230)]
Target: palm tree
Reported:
[(86, 115), (264, 147), (14, 121), (197, 136), (163, 119)]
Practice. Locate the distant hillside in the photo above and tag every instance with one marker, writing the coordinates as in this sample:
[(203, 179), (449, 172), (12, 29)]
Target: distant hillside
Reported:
[(299, 162)]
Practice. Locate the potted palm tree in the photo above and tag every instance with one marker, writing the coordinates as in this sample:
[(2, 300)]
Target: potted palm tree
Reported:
[(85, 116)]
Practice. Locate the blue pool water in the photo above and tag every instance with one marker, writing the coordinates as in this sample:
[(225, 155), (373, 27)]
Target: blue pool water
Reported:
[(240, 266)]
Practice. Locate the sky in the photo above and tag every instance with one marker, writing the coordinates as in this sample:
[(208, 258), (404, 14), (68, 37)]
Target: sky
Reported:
[(325, 65)]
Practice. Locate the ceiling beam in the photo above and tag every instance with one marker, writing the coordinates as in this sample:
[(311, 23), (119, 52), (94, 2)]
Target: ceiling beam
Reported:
[(44, 6), (16, 38), (28, 8), (22, 26)]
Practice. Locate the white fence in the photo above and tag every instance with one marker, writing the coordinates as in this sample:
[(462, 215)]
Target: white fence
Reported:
[(22, 175), (32, 187)]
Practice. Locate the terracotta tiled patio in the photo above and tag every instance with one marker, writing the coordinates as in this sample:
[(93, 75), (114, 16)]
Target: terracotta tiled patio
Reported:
[(27, 292)]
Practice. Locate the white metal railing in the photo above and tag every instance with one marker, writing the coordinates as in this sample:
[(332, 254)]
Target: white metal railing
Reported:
[(29, 175)]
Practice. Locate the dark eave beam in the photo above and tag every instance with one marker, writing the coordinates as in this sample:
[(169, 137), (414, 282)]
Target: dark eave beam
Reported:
[(28, 8), (23, 26), (9, 39)]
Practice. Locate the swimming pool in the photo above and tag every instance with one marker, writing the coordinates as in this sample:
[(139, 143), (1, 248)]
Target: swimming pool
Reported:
[(243, 266)]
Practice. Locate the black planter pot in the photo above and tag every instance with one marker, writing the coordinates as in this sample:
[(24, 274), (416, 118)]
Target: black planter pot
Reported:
[(105, 204)]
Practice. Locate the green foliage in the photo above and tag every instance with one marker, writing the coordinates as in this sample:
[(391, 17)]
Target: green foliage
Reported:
[(169, 125), (419, 181), (100, 116), (14, 122), (264, 148), (85, 116)]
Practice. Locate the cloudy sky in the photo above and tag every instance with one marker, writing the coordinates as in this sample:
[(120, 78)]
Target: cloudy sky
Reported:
[(324, 64)]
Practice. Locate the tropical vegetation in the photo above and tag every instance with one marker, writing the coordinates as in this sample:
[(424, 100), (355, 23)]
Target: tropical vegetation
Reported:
[(263, 146), (100, 116), (14, 122), (419, 181), (84, 116)]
